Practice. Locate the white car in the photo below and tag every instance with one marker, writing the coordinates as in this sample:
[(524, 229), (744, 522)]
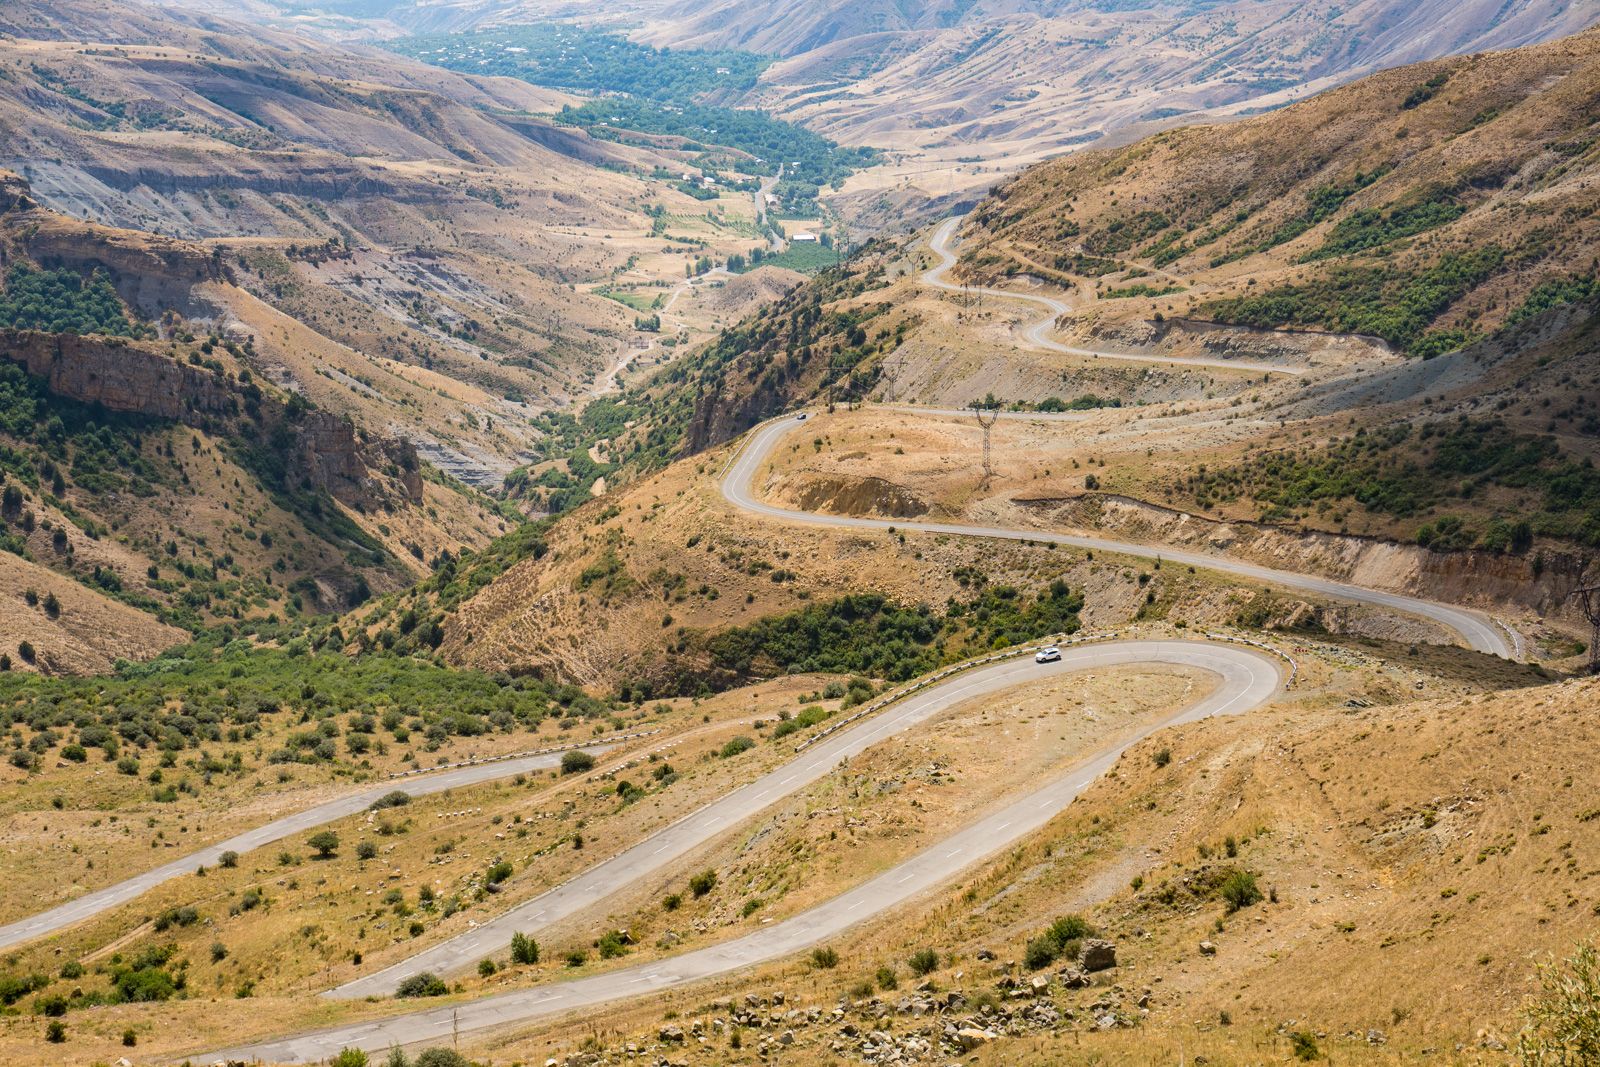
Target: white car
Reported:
[(1048, 654), (800, 417)]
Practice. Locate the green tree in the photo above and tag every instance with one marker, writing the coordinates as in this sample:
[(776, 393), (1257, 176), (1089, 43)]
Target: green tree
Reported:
[(1563, 1017), (524, 949), (326, 843)]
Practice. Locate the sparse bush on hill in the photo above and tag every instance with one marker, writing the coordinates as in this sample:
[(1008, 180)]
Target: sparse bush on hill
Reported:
[(426, 984), (1563, 1017), (524, 949), (1059, 941), (1239, 890), (1401, 470), (576, 762)]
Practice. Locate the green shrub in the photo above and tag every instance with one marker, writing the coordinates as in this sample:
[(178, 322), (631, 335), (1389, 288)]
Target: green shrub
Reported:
[(735, 746), (524, 949), (426, 984), (1059, 940), (1239, 890), (576, 762), (924, 961), (1563, 1017), (440, 1057), (703, 883), (824, 958)]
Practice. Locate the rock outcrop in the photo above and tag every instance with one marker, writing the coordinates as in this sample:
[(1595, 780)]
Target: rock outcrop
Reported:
[(323, 450)]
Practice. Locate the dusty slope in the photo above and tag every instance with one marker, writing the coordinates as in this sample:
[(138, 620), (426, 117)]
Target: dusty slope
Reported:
[(435, 240), (1421, 859)]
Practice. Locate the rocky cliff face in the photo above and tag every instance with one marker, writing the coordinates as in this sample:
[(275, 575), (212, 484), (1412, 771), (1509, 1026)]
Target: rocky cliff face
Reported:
[(158, 274), (364, 474), (152, 273), (120, 376), (325, 450)]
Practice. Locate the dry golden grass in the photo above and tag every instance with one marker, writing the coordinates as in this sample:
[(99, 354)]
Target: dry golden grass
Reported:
[(1421, 859)]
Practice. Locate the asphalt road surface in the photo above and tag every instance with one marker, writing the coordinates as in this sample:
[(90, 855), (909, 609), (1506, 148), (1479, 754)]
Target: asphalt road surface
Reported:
[(1036, 334), (91, 904), (1476, 630), (1246, 679)]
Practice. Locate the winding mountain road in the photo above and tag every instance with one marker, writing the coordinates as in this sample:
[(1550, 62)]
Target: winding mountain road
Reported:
[(92, 904), (1477, 630), (1037, 333), (1246, 680)]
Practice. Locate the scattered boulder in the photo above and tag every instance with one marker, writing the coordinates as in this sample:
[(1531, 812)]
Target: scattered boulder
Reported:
[(1208, 948), (970, 1037), (1097, 955)]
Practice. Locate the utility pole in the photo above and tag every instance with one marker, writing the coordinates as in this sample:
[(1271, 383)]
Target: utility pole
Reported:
[(894, 365), (1588, 598), (987, 415)]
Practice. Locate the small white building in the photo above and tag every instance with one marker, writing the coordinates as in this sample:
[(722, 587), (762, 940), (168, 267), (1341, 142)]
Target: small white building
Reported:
[(804, 236)]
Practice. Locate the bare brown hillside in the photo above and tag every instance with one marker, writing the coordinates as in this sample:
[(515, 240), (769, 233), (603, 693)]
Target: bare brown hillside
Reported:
[(1414, 863), (424, 248)]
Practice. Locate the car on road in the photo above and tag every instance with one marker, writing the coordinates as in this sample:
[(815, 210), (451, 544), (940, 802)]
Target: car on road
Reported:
[(1047, 654), (800, 417)]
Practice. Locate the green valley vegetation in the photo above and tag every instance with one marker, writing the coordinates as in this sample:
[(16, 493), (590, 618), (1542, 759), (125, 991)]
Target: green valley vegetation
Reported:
[(64, 301), (805, 156), (220, 707), (651, 91), (796, 343), (867, 634), (563, 56), (807, 257), (1393, 303), (1521, 485), (563, 477)]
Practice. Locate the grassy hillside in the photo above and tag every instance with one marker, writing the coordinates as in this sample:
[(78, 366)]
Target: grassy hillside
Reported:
[(1427, 205), (821, 340), (153, 462)]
